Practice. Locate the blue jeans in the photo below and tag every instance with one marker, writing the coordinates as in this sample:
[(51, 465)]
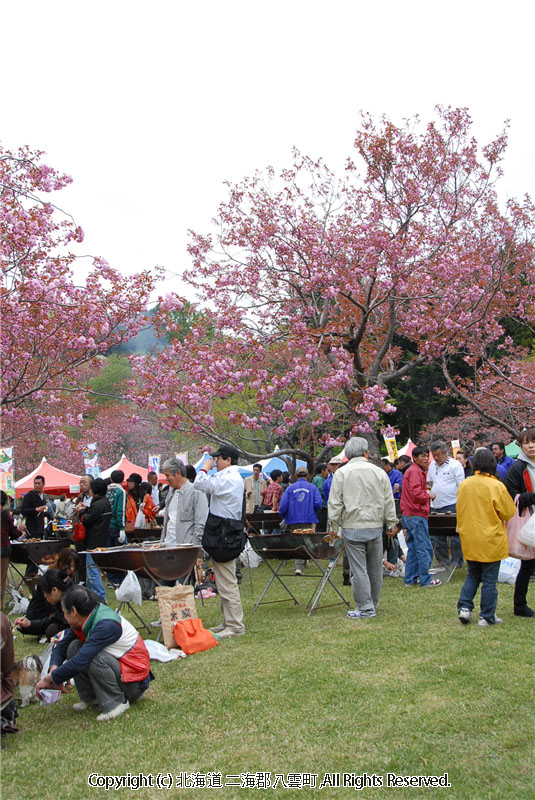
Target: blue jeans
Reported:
[(486, 574), (420, 551), (93, 579), (113, 537)]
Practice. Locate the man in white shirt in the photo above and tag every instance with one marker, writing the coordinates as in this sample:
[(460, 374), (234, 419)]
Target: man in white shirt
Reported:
[(226, 492), (444, 476), (185, 509), (152, 478)]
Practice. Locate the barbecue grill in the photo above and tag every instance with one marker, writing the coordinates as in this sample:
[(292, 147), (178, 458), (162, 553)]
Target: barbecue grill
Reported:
[(143, 534), (152, 561), (36, 552), (443, 524), (158, 563)]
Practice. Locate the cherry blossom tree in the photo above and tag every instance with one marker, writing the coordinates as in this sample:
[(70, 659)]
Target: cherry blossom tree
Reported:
[(52, 323), (469, 427), (312, 283)]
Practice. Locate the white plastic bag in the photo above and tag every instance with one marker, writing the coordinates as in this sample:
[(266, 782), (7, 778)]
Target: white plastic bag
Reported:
[(249, 558), (508, 570), (130, 589), (19, 604), (48, 696), (526, 534), (141, 522), (159, 652)]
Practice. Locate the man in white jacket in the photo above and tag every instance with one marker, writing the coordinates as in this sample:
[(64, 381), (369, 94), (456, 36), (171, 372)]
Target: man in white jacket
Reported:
[(226, 492)]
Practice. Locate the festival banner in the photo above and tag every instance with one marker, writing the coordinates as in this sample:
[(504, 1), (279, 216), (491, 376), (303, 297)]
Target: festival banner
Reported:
[(391, 447), (91, 460), (455, 445), (182, 456), (7, 471), (154, 464)]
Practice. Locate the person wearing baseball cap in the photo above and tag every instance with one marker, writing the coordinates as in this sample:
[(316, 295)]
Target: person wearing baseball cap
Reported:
[(299, 506)]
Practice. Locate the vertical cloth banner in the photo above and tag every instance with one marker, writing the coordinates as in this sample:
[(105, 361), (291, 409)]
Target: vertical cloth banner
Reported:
[(154, 464), (91, 460), (455, 445), (391, 447), (182, 456), (7, 471)]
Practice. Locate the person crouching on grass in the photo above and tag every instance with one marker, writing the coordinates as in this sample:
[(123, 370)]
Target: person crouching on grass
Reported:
[(483, 507), (104, 654)]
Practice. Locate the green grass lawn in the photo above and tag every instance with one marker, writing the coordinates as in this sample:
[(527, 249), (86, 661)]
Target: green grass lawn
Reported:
[(411, 692)]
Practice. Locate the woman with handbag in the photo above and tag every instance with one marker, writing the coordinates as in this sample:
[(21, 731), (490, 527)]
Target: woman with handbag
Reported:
[(520, 480)]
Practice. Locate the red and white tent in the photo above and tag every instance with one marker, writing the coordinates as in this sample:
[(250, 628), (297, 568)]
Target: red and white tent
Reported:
[(57, 481), (128, 468), (407, 450)]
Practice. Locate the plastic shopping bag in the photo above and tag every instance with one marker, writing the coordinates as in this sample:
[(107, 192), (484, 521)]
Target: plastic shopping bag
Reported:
[(508, 570), (526, 535), (192, 637), (130, 589)]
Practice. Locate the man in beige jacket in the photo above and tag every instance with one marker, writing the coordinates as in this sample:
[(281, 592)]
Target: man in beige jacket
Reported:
[(255, 486), (360, 502)]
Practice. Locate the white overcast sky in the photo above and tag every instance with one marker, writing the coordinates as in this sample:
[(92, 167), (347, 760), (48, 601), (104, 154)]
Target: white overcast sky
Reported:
[(150, 106)]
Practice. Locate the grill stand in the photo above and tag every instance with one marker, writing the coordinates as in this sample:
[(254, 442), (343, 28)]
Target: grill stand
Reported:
[(318, 591), (134, 612), (271, 580)]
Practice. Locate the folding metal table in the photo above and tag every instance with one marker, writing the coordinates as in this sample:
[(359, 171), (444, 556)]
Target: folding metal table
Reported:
[(313, 546)]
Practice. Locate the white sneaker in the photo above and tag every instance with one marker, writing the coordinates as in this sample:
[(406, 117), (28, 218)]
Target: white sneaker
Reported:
[(465, 616), (115, 712), (356, 614), (83, 704), (484, 623), (298, 571)]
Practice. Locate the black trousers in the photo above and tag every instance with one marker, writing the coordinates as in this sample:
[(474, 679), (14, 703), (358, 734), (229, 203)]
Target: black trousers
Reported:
[(527, 568)]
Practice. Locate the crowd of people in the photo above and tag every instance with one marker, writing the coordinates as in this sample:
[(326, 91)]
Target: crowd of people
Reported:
[(367, 505)]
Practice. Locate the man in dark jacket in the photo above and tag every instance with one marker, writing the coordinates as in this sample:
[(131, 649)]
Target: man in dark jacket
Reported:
[(520, 480), (34, 509), (96, 519)]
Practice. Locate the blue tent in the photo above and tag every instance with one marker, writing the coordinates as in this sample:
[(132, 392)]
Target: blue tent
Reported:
[(269, 464), (244, 471)]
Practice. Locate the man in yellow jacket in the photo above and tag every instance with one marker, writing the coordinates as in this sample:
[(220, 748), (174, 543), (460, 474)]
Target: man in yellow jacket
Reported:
[(483, 507)]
